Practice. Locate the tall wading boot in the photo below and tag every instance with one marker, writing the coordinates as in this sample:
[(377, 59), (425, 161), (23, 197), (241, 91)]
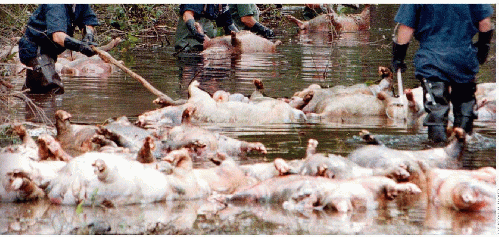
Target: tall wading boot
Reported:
[(437, 133), (436, 102), (43, 78), (463, 102)]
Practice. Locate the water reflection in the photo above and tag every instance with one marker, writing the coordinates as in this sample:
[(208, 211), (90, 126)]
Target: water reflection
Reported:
[(50, 104), (195, 217)]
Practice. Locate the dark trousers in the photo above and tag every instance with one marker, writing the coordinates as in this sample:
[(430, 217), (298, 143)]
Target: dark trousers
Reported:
[(43, 78), (437, 95)]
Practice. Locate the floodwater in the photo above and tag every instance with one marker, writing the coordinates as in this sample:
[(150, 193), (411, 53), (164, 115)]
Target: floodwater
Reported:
[(300, 61)]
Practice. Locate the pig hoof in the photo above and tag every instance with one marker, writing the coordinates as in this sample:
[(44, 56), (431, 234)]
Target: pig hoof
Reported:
[(408, 188), (259, 147), (324, 171), (281, 166), (311, 147), (401, 172), (219, 198)]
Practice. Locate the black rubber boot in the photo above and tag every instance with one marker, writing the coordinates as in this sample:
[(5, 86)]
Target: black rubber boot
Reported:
[(463, 101), (436, 102), (43, 79), (437, 133)]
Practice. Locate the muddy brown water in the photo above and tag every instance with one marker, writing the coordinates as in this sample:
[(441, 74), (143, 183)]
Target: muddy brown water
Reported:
[(300, 61)]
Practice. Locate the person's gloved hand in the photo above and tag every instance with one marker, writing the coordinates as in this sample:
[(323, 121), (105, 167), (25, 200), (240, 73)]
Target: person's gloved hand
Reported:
[(89, 36), (231, 28), (79, 46), (192, 28), (259, 29), (399, 51), (483, 46)]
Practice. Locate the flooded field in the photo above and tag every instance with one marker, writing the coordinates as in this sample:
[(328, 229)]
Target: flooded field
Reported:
[(300, 61)]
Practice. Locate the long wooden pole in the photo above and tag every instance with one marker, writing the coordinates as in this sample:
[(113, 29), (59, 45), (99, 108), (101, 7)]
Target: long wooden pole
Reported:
[(401, 92), (109, 59)]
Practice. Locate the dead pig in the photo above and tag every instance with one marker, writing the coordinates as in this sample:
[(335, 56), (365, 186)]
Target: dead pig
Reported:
[(226, 177), (202, 143), (24, 179), (337, 167), (166, 116), (76, 64), (111, 179), (238, 43), (124, 134), (463, 190), (306, 192), (268, 111), (75, 139), (267, 170), (418, 162), (335, 23)]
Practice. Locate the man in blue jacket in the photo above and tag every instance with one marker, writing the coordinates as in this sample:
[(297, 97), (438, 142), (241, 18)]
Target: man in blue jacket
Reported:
[(49, 32), (447, 60)]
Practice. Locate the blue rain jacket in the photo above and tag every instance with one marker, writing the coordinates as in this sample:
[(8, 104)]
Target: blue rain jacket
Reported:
[(50, 18), (445, 33)]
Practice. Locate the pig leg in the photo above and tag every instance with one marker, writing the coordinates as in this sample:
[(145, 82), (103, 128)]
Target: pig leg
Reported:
[(304, 200), (20, 181), (311, 147), (50, 149), (342, 205), (369, 138), (414, 112), (398, 172), (145, 153), (299, 102), (283, 167), (20, 130), (179, 159), (301, 24), (408, 188), (253, 146), (324, 171), (101, 170), (102, 141)]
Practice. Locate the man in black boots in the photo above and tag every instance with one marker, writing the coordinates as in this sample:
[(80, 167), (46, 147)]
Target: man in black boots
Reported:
[(49, 32), (447, 60)]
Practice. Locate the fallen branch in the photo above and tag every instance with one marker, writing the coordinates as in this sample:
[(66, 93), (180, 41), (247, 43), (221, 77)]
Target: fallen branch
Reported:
[(109, 59)]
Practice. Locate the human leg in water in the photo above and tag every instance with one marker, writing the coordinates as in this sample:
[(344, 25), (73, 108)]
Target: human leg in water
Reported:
[(436, 102), (42, 78)]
